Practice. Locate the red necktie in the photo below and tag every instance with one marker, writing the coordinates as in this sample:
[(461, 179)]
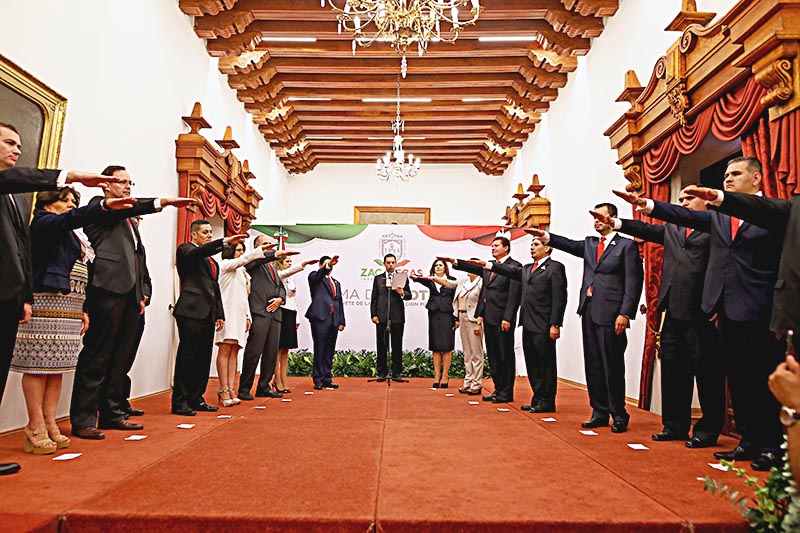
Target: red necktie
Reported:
[(333, 291), (213, 268), (601, 246), (534, 265), (272, 273), (734, 226), (688, 232)]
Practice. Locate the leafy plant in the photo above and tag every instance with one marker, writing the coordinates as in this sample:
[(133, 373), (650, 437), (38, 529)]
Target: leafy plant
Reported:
[(775, 509)]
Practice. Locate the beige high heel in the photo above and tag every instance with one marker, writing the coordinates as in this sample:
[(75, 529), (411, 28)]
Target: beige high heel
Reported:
[(234, 399), (224, 402), (38, 442), (62, 441)]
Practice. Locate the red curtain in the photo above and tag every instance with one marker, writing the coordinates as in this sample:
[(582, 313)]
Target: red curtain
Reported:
[(737, 114)]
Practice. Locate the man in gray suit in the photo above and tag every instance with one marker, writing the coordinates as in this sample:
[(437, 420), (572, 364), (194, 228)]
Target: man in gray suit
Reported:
[(267, 294), (113, 306)]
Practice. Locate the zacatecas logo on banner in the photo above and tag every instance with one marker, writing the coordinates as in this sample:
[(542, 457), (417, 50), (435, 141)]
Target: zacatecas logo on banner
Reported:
[(415, 247)]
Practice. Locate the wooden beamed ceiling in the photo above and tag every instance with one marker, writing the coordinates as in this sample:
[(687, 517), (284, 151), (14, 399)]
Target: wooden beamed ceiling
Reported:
[(506, 85)]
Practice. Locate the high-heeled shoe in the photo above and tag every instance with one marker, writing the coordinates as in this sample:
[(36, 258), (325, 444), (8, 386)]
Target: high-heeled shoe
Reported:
[(38, 442), (224, 402), (436, 385), (234, 399), (445, 384), (62, 441)]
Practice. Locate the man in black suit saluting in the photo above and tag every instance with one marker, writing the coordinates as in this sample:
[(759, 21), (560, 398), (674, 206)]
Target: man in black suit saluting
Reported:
[(389, 316), (199, 313), (544, 298), (16, 283), (610, 292), (741, 275), (498, 304), (326, 316), (689, 346)]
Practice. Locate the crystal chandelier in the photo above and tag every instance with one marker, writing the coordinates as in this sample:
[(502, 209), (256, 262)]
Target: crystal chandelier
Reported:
[(394, 164), (404, 22)]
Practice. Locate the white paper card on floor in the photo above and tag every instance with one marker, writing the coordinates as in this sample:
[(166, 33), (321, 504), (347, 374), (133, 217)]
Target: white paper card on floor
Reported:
[(637, 446), (66, 456), (185, 426), (588, 432), (308, 393), (503, 409), (286, 399), (548, 419), (718, 466), (224, 416), (450, 395), (260, 407), (474, 403), (136, 437)]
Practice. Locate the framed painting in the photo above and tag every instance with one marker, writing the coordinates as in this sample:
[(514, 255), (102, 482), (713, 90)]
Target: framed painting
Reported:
[(391, 215)]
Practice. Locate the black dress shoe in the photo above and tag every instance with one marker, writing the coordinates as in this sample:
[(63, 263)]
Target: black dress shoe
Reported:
[(474, 392), (738, 454), (619, 427), (526, 407), (398, 379), (594, 422), (500, 399), (205, 407), (134, 412), (9, 468), (543, 409), (381, 379), (183, 411), (245, 395), (669, 435), (698, 442), (269, 394), (330, 385), (766, 460), (122, 425), (318, 386), (89, 433), (489, 398)]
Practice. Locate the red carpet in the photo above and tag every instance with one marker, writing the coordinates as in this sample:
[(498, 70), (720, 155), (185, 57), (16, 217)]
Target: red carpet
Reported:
[(367, 456)]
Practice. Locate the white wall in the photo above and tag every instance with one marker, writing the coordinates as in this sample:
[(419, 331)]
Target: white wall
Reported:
[(130, 70), (456, 194), (574, 159)]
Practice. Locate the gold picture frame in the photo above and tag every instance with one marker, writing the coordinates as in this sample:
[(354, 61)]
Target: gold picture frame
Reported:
[(391, 215), (21, 96)]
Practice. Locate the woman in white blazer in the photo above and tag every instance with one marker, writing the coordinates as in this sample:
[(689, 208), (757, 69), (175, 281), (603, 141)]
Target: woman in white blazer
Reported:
[(465, 301), (234, 285)]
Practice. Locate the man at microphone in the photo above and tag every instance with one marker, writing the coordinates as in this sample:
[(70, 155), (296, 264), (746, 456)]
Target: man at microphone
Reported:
[(389, 316)]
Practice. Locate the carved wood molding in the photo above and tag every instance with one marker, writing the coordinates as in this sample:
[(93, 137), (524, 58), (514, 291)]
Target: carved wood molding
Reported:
[(755, 38), (533, 212), (634, 176), (218, 180)]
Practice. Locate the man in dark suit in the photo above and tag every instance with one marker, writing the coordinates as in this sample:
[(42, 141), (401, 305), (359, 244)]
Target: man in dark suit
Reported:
[(689, 346), (742, 269), (144, 292), (544, 299), (199, 313), (113, 305), (326, 316), (781, 217), (498, 304), (16, 283), (267, 294), (389, 316), (610, 292)]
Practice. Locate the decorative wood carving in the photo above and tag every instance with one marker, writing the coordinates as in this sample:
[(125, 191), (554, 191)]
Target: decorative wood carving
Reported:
[(218, 180), (634, 175), (480, 91), (533, 213)]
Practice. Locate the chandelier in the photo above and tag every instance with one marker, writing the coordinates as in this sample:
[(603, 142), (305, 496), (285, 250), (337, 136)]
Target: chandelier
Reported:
[(402, 23), (394, 164)]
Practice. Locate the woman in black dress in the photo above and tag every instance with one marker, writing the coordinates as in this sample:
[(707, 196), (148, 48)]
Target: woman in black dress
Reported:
[(441, 324)]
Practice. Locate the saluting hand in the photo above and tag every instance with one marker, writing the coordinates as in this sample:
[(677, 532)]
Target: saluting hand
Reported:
[(235, 239), (602, 217), (535, 232), (704, 193), (91, 179), (178, 202), (120, 203), (633, 199)]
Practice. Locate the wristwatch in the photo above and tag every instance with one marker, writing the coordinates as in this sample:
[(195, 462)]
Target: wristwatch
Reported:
[(789, 416)]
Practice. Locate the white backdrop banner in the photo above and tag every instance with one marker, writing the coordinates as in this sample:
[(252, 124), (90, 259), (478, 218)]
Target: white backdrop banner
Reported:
[(361, 249)]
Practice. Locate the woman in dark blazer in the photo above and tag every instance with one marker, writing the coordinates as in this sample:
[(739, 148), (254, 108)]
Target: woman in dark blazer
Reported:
[(441, 323), (48, 345)]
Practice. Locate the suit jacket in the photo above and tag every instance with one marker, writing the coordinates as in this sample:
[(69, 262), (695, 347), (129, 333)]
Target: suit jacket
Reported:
[(379, 303), (322, 298), (16, 283), (544, 293), (500, 296), (114, 267), (440, 298), (683, 270), (616, 279), (782, 217), (472, 296), (200, 296), (144, 285), (263, 287), (741, 273)]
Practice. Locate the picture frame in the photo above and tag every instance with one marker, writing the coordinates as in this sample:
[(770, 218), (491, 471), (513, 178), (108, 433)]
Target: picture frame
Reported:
[(391, 215)]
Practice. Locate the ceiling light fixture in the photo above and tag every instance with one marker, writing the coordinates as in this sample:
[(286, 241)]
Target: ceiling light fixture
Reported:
[(404, 22), (394, 163)]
